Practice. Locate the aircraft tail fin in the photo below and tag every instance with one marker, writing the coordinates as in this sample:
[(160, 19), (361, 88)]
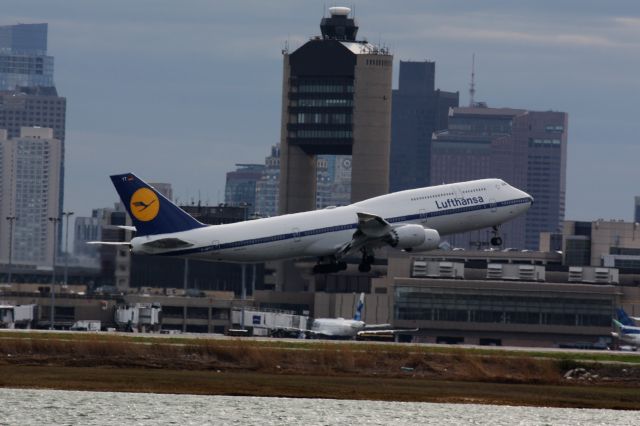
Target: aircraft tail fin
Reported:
[(358, 315), (623, 318), (150, 211)]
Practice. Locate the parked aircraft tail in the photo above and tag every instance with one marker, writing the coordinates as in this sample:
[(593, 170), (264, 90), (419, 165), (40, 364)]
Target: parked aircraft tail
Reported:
[(623, 318), (150, 211), (358, 315)]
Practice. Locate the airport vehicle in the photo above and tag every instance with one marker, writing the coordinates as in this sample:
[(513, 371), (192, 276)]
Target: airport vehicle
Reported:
[(411, 220), (626, 329)]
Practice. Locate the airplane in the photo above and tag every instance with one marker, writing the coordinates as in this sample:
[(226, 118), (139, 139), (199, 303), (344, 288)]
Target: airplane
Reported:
[(627, 331), (341, 328), (410, 220)]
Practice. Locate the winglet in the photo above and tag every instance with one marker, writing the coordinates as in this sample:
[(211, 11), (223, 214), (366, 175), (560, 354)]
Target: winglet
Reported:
[(150, 211)]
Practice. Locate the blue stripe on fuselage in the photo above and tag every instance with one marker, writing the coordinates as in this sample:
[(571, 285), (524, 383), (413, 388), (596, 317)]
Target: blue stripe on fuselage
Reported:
[(338, 228)]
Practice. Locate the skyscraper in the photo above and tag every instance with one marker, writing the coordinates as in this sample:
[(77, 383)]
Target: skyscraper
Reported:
[(33, 106), (240, 188), (334, 181), (27, 93), (268, 187), (30, 191), (23, 56), (336, 100), (525, 148), (418, 110)]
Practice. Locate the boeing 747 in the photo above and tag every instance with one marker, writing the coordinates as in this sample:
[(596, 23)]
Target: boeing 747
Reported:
[(411, 220)]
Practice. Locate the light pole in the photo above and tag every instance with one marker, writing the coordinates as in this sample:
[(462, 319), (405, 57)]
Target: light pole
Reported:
[(11, 219), (54, 221), (66, 246)]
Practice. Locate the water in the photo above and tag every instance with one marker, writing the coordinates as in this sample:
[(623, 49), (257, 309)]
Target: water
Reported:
[(47, 407)]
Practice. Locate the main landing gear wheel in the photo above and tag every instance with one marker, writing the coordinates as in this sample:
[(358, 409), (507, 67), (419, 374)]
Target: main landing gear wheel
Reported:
[(364, 267), (367, 260), (496, 240)]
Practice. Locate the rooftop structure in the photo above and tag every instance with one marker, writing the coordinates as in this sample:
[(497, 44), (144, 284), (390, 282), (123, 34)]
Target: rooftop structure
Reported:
[(23, 56)]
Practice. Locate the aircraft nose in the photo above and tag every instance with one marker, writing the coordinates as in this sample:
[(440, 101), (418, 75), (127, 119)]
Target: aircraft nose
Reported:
[(525, 195)]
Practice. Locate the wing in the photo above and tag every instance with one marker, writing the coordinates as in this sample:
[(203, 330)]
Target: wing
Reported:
[(371, 230), (366, 332), (109, 243), (168, 243)]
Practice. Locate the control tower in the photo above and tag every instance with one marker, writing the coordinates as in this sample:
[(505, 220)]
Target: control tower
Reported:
[(336, 99)]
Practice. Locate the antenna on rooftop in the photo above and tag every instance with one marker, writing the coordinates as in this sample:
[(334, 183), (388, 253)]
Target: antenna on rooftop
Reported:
[(472, 86)]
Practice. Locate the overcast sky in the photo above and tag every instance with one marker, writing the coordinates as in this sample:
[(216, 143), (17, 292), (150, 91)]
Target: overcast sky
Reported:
[(181, 91)]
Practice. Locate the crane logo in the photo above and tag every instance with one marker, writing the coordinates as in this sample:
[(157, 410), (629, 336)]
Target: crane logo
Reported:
[(144, 205)]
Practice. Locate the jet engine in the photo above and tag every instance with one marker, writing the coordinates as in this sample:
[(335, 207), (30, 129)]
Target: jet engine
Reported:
[(407, 236), (431, 241)]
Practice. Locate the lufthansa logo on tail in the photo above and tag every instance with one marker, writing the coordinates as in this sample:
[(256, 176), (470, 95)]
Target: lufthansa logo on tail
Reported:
[(144, 205)]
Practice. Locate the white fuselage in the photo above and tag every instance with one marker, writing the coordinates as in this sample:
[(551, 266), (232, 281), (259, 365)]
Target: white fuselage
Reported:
[(628, 334), (450, 208), (337, 327)]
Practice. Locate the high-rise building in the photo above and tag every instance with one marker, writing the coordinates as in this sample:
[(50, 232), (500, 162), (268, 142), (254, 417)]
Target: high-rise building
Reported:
[(33, 106), (86, 228), (23, 56), (636, 212), (30, 168), (268, 187), (27, 94), (525, 148), (36, 106), (336, 101), (240, 188), (333, 177), (334, 181), (418, 110)]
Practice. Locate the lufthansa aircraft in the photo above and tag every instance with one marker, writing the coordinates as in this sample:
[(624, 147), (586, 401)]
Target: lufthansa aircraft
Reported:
[(412, 220)]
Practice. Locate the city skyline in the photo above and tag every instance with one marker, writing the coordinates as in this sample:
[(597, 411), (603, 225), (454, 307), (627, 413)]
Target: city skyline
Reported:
[(180, 94)]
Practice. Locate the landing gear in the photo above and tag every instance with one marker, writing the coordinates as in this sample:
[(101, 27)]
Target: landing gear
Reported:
[(364, 267), (367, 260), (496, 240), (329, 268)]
